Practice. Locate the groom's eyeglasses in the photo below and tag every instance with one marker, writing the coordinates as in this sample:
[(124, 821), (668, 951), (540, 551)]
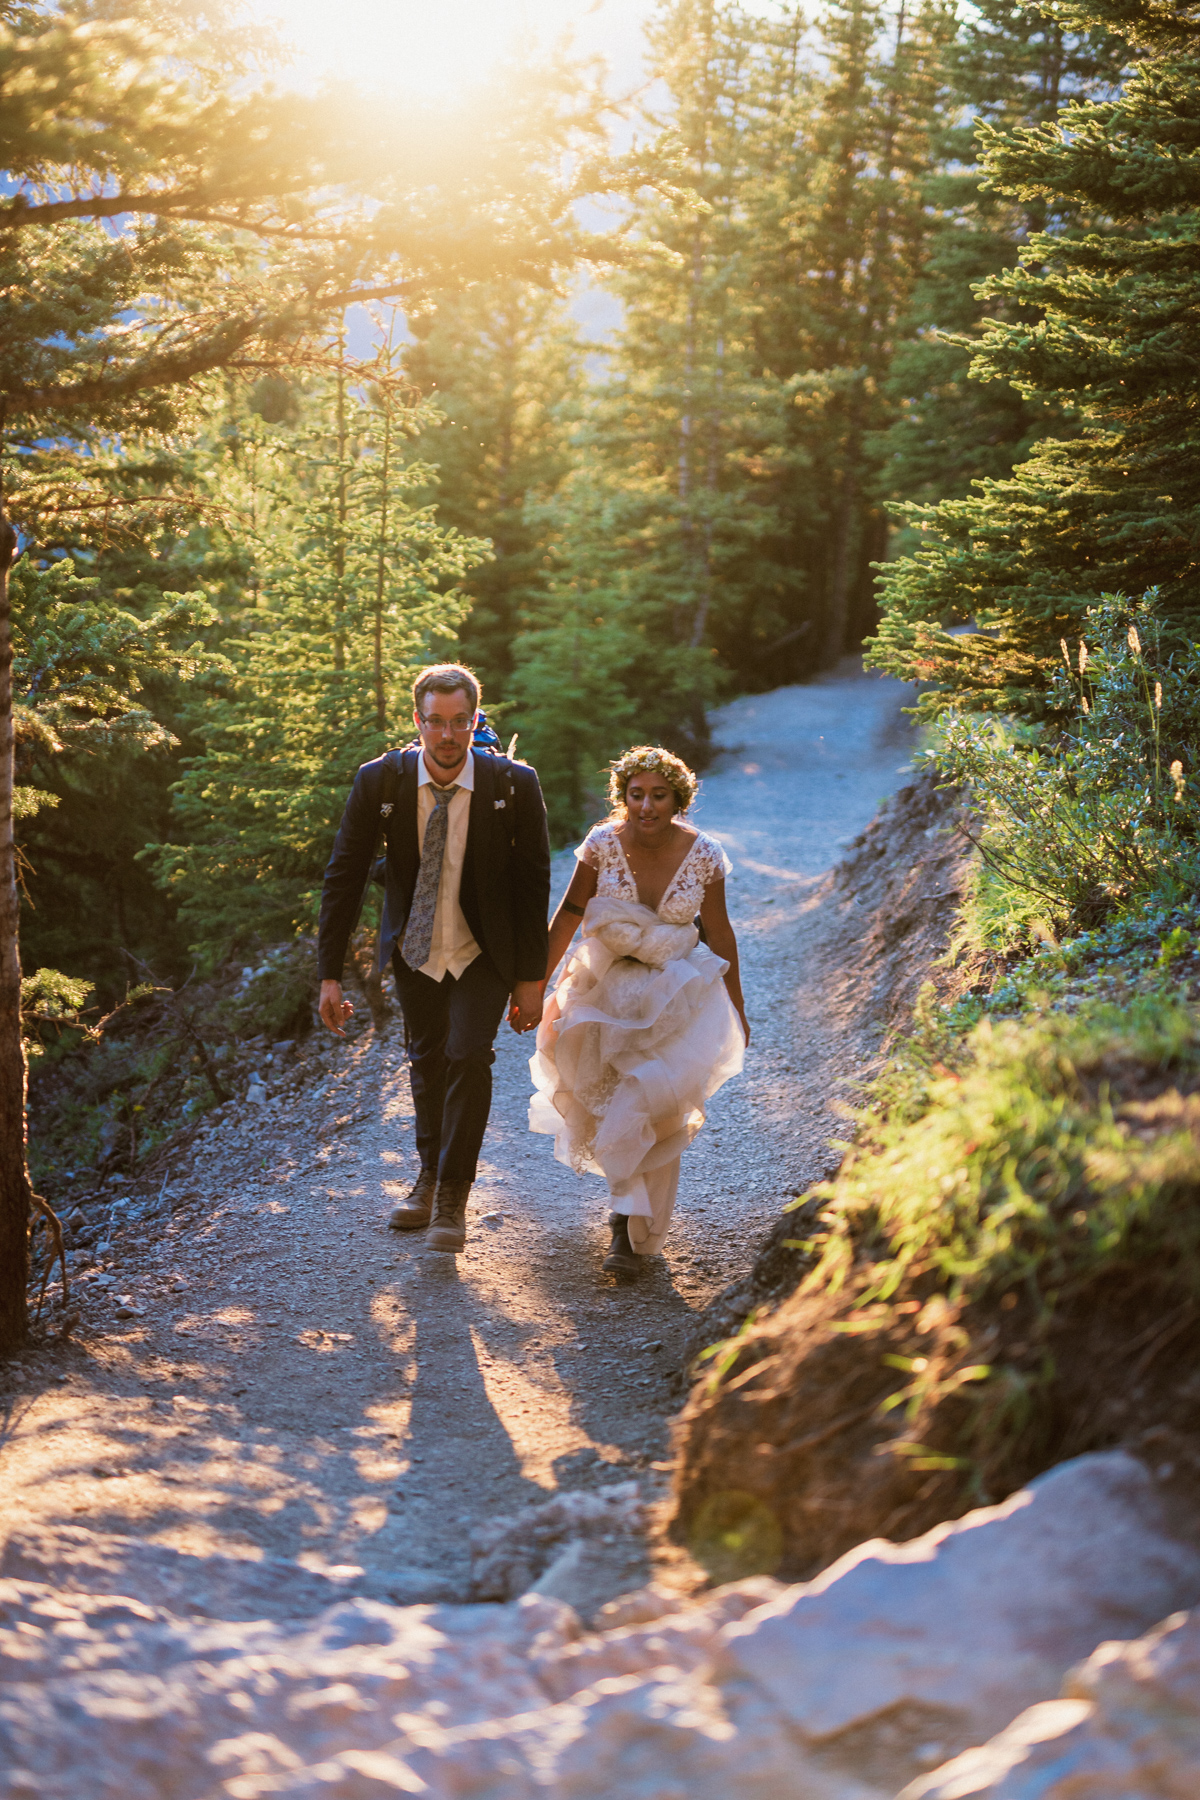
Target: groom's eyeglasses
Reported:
[(462, 722)]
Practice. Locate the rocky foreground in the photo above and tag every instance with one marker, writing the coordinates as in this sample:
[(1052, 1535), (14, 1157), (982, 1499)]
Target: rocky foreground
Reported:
[(935, 1668)]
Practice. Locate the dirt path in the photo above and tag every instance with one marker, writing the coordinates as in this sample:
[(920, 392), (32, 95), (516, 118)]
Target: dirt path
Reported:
[(263, 1369)]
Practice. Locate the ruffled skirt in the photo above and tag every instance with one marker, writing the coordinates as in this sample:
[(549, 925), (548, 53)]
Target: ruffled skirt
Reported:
[(638, 1035)]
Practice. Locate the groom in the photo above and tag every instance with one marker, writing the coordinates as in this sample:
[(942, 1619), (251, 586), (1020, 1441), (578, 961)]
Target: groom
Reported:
[(464, 921)]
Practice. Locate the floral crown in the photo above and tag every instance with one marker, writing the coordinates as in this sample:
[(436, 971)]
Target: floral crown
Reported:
[(644, 758)]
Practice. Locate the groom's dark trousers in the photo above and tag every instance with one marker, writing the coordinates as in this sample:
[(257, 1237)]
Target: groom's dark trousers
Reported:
[(451, 1025), (504, 895)]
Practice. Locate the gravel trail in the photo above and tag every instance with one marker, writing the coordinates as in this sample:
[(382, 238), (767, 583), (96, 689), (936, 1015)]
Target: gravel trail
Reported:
[(275, 1374)]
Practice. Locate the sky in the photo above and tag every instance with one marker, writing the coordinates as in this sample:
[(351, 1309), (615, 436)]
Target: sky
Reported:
[(435, 49)]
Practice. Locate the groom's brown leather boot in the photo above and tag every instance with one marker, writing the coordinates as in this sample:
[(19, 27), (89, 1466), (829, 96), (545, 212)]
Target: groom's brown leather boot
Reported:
[(449, 1228), (414, 1210)]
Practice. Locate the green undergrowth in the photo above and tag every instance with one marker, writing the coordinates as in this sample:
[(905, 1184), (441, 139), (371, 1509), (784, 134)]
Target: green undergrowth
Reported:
[(1015, 1186), (109, 1094), (1022, 1166), (1094, 812)]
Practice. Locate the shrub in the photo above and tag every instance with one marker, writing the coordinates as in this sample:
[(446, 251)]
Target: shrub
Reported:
[(1024, 1168), (1099, 809), (980, 1231)]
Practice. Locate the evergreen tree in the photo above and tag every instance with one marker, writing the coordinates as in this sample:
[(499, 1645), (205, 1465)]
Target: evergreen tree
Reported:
[(504, 366), (354, 579), (1009, 65), (666, 534), (96, 673), (1117, 509), (240, 229), (721, 520), (858, 238)]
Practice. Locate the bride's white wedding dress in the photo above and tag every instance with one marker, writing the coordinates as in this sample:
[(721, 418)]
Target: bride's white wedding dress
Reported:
[(638, 1034)]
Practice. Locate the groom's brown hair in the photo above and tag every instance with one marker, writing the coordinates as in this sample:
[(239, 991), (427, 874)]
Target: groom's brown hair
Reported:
[(446, 678)]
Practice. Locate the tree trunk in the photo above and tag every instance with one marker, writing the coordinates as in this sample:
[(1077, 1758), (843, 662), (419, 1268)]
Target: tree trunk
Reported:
[(850, 520), (381, 569), (339, 547), (14, 1180), (834, 642)]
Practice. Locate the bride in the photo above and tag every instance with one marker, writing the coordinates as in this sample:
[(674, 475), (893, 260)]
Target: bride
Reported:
[(647, 1022)]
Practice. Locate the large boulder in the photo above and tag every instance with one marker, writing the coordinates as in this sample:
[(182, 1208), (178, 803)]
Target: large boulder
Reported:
[(978, 1618), (1128, 1726), (844, 1688)]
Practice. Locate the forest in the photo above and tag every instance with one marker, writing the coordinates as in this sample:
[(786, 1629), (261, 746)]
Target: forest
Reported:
[(904, 361)]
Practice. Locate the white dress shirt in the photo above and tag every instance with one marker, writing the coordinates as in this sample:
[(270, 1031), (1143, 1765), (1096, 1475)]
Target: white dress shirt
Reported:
[(453, 949)]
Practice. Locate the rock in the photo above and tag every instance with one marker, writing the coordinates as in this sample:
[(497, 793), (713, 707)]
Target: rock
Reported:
[(588, 1569), (511, 1552), (151, 1706), (410, 1587), (1128, 1727), (219, 1587), (79, 1561), (1084, 1553), (840, 1689), (652, 1602), (111, 1133)]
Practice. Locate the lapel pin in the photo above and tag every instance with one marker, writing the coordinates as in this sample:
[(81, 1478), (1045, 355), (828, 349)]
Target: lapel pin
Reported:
[(385, 812)]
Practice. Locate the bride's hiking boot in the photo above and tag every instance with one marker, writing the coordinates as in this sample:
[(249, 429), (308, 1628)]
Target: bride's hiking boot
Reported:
[(621, 1258), (449, 1228), (413, 1212)]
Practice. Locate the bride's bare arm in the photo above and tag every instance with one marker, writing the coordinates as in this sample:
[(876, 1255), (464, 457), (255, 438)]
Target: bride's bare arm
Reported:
[(565, 922), (722, 942)]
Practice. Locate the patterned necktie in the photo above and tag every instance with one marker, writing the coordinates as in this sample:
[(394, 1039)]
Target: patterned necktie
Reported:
[(418, 933)]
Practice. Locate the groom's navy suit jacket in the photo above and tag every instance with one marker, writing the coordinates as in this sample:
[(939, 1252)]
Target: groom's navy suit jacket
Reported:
[(505, 889)]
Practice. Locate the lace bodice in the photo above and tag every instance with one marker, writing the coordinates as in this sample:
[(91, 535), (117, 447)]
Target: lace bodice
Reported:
[(705, 862)]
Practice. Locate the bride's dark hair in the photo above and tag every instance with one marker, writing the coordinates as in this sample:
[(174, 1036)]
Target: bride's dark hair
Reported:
[(645, 759)]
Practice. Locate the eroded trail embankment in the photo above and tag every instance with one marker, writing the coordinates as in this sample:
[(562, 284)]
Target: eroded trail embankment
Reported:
[(262, 1369)]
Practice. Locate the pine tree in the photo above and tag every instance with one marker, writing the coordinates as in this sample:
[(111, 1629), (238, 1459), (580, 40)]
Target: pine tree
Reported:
[(238, 228), (97, 673), (666, 543), (354, 579), (859, 231), (504, 366), (1116, 509), (721, 521), (1009, 66)]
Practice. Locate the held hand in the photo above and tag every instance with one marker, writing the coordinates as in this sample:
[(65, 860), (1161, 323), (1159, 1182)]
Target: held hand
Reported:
[(333, 1010), (745, 1027), (525, 1013)]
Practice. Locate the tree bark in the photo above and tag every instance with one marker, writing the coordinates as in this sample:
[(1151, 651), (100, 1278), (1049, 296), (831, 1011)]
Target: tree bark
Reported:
[(14, 1178), (385, 474), (339, 547), (834, 643), (851, 521)]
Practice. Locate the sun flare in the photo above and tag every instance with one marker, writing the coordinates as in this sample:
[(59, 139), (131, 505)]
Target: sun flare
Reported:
[(436, 51)]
